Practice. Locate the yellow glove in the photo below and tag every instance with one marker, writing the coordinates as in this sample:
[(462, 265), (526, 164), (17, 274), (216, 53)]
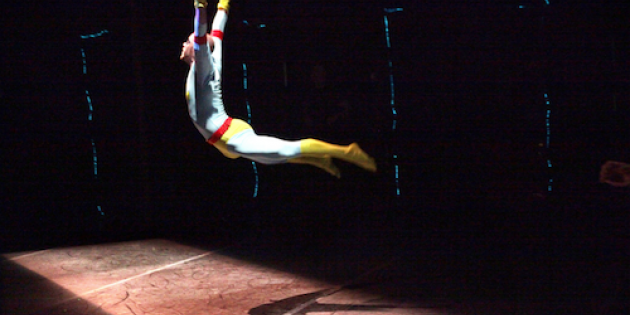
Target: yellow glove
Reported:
[(201, 3), (224, 5)]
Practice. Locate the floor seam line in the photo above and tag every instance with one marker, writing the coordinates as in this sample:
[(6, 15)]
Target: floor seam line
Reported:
[(146, 273)]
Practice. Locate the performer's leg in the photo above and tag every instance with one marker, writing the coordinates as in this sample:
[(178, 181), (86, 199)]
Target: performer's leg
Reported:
[(263, 149), (241, 140), (271, 150)]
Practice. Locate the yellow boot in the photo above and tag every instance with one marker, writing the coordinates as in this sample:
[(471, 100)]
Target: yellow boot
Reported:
[(351, 153), (325, 163)]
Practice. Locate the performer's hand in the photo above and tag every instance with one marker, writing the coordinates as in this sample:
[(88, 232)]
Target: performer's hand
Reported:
[(201, 3), (224, 5), (615, 174)]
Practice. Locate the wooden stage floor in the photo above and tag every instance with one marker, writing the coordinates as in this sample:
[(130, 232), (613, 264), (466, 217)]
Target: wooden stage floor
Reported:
[(159, 276)]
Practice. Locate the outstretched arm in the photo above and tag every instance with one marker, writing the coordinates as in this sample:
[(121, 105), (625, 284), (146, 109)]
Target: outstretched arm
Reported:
[(201, 18), (218, 27), (210, 44), (200, 41)]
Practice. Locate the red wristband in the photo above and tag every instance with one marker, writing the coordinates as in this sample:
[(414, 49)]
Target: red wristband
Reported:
[(201, 39)]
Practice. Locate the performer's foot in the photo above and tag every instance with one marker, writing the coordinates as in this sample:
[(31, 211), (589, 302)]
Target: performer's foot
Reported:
[(325, 163), (351, 153), (330, 167), (356, 155)]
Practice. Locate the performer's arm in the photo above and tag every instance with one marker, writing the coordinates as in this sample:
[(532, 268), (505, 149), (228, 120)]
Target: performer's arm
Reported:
[(218, 27), (201, 45), (201, 22)]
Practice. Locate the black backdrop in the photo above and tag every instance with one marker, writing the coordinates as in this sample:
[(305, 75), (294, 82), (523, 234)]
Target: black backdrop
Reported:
[(470, 81)]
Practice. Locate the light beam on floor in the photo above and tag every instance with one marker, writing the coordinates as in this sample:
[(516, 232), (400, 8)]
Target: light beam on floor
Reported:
[(165, 277)]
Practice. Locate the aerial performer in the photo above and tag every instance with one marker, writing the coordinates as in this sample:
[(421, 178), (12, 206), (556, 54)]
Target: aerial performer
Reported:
[(234, 137)]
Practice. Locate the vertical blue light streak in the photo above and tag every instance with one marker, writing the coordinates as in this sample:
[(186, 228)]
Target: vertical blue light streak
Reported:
[(548, 124), (249, 120), (94, 159), (548, 140), (392, 102), (91, 108), (396, 176), (245, 76), (84, 61), (389, 44), (90, 116)]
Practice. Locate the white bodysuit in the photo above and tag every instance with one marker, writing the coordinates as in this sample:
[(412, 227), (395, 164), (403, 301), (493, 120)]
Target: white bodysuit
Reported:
[(206, 108)]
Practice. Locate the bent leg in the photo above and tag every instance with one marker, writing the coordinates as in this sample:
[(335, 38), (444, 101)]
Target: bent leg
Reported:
[(263, 149), (242, 140), (270, 150)]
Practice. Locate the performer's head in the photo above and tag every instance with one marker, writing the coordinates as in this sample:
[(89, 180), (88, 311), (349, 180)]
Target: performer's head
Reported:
[(188, 50)]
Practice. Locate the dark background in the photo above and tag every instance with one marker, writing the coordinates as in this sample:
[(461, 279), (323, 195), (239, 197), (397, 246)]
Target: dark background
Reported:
[(470, 79)]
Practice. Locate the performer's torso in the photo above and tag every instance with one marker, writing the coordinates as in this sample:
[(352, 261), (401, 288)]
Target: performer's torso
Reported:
[(205, 100)]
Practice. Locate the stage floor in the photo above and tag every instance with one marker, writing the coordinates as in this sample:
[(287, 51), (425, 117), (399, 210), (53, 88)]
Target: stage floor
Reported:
[(159, 276)]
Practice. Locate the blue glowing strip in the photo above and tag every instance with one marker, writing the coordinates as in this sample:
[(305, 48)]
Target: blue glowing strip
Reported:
[(391, 77), (249, 109), (393, 93), (392, 97), (84, 61), (99, 34), (244, 76), (548, 123), (91, 109), (249, 112), (94, 159), (89, 101), (547, 2), (393, 10), (249, 120), (389, 45), (256, 177), (396, 176), (548, 138)]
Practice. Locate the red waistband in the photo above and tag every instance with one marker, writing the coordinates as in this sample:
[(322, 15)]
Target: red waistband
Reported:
[(219, 133), (217, 33)]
